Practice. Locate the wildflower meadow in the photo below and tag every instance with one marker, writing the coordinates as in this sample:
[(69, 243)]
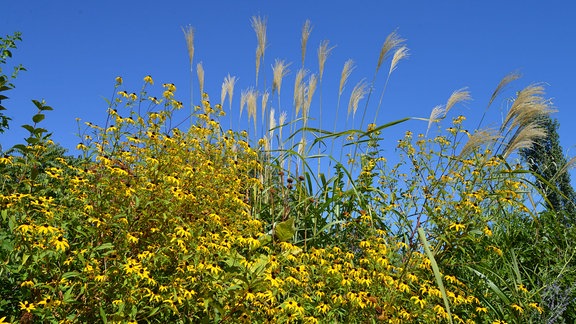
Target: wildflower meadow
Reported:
[(168, 214)]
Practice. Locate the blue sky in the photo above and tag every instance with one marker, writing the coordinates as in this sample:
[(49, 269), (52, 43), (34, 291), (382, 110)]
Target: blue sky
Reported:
[(73, 50)]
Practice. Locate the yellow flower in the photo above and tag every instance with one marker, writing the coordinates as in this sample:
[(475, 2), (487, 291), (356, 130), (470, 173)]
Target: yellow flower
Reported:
[(457, 226), (100, 278), (148, 79), (481, 310), (168, 94), (169, 86), (536, 307), (46, 229), (418, 301), (440, 311), (27, 307), (182, 231), (60, 243), (118, 80), (27, 283), (517, 308), (2, 320), (323, 308), (522, 288)]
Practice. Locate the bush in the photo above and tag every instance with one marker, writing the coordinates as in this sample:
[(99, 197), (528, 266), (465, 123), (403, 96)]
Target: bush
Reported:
[(158, 224)]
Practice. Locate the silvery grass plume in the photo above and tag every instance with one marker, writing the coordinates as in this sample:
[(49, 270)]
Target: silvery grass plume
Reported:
[(299, 89), (524, 138), (189, 36), (483, 137), (306, 30), (569, 165), (359, 91), (439, 112), (310, 90), (228, 89), (265, 96), (248, 99), (392, 41), (271, 123), (252, 106), (279, 71), (281, 122), (501, 86), (346, 72), (400, 54), (323, 52), (344, 75), (528, 106), (200, 72), (259, 26), (521, 118)]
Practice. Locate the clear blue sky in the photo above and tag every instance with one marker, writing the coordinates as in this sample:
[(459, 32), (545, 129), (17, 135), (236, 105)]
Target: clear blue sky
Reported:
[(73, 50)]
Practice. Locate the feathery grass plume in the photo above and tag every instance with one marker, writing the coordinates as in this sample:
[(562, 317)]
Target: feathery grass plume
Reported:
[(310, 89), (189, 36), (228, 89), (524, 138), (279, 71), (271, 123), (528, 105), (359, 91), (478, 139), (399, 55), (243, 100), (251, 97), (392, 41), (200, 72), (259, 26), (281, 122), (265, 96), (569, 165), (457, 96), (299, 90), (346, 72), (323, 53), (302, 147), (436, 115), (306, 30), (503, 83)]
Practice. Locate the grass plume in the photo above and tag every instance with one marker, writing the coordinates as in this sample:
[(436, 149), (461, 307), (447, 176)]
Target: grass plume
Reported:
[(259, 26), (306, 31), (323, 52)]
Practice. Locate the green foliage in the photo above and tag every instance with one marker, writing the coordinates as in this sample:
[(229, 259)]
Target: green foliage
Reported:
[(7, 44), (158, 224)]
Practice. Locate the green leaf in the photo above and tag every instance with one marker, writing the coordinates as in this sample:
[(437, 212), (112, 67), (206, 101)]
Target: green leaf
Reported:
[(29, 128), (38, 118), (103, 315), (38, 104), (70, 274), (285, 230), (436, 271), (105, 246)]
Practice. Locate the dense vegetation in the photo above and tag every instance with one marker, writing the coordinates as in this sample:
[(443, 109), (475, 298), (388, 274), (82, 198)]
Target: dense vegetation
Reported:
[(155, 223)]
